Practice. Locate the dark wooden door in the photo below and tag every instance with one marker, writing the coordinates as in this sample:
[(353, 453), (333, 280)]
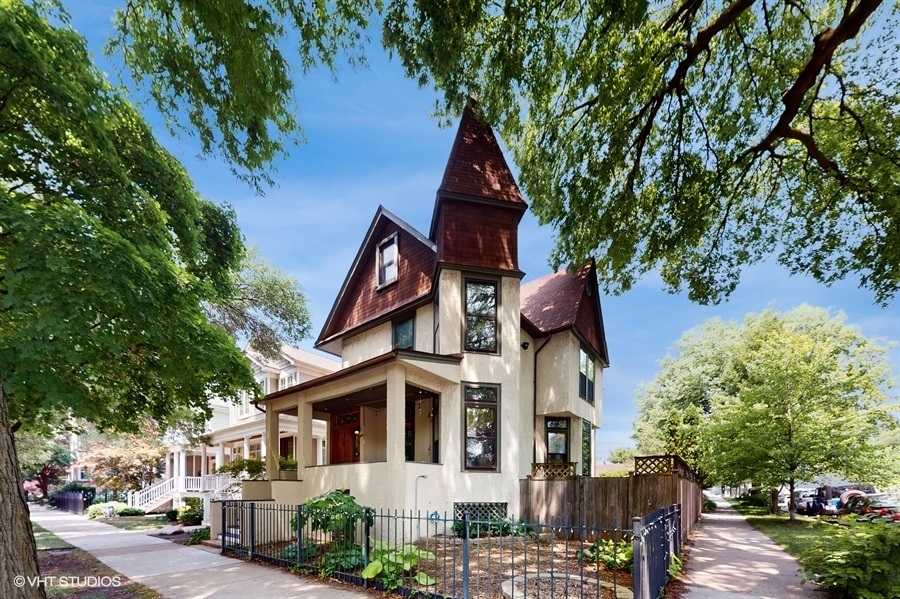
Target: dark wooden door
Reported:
[(345, 441)]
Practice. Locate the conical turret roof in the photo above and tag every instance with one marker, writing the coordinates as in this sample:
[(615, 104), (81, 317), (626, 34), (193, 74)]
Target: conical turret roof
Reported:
[(476, 166)]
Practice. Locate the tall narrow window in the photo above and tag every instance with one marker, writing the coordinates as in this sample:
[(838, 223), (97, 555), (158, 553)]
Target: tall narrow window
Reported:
[(481, 409), (586, 376), (387, 261), (587, 435), (404, 334), (557, 439), (481, 316)]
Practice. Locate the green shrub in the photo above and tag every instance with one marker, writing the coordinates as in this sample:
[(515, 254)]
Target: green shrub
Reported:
[(391, 565), (709, 505), (201, 534), (130, 511), (859, 562), (609, 553), (754, 500), (308, 550), (341, 557), (496, 527), (336, 512), (287, 464), (195, 503), (188, 516), (98, 510), (252, 468), (172, 515)]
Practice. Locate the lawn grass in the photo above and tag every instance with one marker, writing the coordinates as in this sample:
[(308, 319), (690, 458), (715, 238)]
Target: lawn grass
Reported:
[(73, 573), (136, 523), (794, 537), (46, 539)]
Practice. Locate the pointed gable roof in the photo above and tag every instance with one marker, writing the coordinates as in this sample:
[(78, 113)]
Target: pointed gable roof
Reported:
[(359, 301), (564, 300), (476, 166)]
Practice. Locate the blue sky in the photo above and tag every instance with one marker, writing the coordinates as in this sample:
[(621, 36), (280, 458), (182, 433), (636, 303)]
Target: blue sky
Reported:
[(370, 140)]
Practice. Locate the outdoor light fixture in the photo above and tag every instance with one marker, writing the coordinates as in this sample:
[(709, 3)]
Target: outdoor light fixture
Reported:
[(525, 345)]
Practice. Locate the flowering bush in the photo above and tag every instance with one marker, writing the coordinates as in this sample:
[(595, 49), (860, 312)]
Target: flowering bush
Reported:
[(32, 489)]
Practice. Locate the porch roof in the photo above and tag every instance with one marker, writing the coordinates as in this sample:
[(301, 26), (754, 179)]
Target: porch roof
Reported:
[(392, 356)]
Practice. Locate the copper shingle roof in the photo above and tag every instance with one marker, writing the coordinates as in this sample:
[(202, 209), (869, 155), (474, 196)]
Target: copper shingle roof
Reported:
[(476, 166)]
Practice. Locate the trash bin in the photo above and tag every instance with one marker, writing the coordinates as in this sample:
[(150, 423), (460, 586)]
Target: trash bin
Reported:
[(110, 511)]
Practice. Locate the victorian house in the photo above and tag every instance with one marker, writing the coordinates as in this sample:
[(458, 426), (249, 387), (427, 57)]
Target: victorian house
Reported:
[(456, 380)]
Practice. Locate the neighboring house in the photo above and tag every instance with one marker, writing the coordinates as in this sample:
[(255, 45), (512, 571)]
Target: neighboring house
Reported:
[(456, 380), (238, 431)]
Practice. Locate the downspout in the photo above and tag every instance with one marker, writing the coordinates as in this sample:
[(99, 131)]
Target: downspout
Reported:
[(534, 431)]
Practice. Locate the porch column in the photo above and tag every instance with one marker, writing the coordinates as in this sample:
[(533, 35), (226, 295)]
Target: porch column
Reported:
[(396, 414), (272, 437), (303, 442), (203, 461), (220, 455), (182, 468), (262, 447), (247, 442)]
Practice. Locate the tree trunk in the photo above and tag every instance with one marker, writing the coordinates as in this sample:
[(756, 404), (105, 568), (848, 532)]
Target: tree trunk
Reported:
[(791, 505), (19, 573)]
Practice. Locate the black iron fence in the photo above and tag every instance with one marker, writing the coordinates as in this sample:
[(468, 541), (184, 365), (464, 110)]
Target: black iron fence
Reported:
[(443, 557), (69, 502), (657, 550)]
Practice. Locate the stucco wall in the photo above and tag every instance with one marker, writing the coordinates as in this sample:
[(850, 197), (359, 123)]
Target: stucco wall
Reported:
[(368, 344)]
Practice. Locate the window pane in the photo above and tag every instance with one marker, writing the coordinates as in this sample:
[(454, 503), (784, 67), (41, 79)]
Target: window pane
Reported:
[(387, 262), (403, 334), (558, 423), (481, 299), (557, 443), (481, 453), (483, 394), (480, 422), (481, 334)]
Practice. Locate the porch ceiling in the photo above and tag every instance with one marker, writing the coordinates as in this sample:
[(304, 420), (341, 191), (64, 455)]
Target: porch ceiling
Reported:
[(373, 397)]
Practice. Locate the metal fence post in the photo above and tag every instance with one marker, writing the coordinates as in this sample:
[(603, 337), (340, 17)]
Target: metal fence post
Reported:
[(465, 557), (640, 583), (367, 530), (299, 533), (252, 530), (224, 524)]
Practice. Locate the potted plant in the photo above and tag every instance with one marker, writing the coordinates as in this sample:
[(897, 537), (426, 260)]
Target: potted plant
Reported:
[(287, 468)]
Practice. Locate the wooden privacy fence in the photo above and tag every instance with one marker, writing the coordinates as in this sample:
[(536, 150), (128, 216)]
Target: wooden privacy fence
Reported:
[(656, 482)]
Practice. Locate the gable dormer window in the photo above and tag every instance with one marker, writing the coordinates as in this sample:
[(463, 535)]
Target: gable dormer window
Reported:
[(386, 262)]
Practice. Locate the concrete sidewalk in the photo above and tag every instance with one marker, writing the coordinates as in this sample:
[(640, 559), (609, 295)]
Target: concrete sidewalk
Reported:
[(732, 560), (179, 571)]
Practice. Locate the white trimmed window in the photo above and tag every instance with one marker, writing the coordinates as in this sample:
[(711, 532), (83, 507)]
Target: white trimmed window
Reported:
[(288, 380), (387, 262), (245, 408)]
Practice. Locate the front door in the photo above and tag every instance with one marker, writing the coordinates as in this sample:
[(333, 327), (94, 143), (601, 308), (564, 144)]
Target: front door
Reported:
[(345, 437)]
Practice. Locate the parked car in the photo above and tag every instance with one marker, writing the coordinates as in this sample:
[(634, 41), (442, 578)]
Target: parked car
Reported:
[(881, 504)]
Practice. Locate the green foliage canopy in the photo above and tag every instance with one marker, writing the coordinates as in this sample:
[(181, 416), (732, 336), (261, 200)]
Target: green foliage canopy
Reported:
[(809, 400), (780, 398), (106, 250), (692, 137), (222, 64)]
